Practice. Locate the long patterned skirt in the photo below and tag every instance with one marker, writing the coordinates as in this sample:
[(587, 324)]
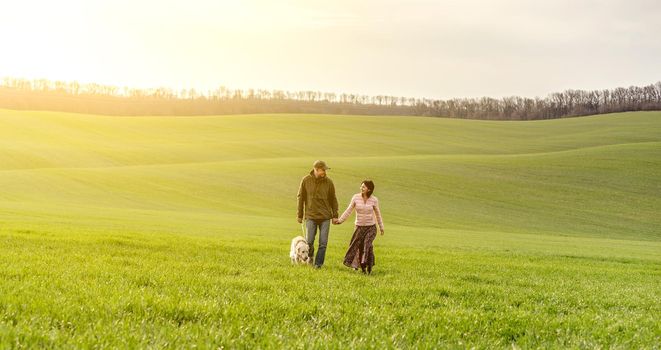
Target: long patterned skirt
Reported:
[(361, 249)]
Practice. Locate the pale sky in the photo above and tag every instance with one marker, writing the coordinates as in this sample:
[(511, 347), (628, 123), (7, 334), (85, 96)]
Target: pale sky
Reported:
[(413, 48)]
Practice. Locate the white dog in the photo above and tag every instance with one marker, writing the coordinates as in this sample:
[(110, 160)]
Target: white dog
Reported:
[(299, 250)]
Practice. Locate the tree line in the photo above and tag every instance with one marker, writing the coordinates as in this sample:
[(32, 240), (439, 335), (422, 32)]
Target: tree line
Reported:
[(64, 96)]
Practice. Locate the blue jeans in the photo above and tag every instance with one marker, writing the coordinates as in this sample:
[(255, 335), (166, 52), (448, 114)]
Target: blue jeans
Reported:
[(311, 227)]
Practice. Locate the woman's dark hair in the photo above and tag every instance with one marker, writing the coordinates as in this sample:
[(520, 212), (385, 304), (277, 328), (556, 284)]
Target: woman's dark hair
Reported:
[(370, 187)]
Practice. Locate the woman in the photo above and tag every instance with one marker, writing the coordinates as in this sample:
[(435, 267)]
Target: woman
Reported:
[(361, 251)]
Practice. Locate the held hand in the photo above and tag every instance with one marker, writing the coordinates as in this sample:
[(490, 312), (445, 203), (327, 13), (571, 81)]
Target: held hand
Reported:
[(300, 220), (383, 232), (336, 221)]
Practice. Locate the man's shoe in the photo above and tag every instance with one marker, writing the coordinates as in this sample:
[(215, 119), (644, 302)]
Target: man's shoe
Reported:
[(317, 266)]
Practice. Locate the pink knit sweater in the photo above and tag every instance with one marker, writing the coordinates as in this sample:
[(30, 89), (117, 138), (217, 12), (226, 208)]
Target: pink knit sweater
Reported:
[(366, 211)]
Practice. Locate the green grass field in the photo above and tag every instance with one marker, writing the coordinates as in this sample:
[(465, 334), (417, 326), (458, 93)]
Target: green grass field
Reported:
[(174, 232)]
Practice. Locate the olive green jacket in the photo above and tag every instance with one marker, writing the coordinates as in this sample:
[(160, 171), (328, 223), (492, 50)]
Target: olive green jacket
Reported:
[(317, 197)]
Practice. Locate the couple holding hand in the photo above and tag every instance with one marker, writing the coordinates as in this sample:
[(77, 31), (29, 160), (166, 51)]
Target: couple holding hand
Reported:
[(317, 203)]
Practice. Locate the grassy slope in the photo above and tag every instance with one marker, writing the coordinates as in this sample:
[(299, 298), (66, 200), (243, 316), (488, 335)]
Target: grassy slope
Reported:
[(534, 233)]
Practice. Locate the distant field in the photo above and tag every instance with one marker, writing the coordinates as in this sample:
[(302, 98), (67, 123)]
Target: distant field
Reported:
[(174, 231)]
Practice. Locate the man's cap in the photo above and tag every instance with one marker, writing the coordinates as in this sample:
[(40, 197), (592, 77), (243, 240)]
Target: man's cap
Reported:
[(320, 164)]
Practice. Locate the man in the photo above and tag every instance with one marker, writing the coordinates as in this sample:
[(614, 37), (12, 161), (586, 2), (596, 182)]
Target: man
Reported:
[(316, 199)]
